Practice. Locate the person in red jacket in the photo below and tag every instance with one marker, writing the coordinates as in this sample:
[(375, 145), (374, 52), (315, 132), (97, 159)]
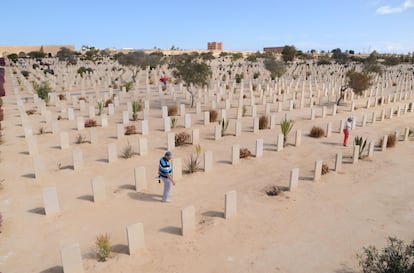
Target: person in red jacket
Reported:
[(347, 129)]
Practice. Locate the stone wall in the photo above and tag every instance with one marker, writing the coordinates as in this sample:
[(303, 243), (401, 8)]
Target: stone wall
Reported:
[(53, 49)]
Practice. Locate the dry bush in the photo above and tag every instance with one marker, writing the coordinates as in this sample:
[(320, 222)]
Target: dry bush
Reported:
[(80, 139), (263, 122), (273, 190), (391, 141), (82, 98), (30, 112), (172, 110), (325, 168), (107, 102), (379, 101), (130, 130), (182, 139), (127, 151), (317, 132), (245, 153), (90, 123), (62, 97), (213, 115)]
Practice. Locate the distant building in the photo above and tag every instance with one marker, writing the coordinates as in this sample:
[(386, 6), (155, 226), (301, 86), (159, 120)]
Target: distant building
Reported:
[(52, 49), (277, 49), (215, 46)]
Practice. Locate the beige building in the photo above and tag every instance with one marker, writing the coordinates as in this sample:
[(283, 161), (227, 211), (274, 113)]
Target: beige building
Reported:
[(52, 49)]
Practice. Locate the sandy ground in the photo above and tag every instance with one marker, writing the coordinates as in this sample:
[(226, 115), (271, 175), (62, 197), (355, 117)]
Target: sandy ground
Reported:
[(318, 228)]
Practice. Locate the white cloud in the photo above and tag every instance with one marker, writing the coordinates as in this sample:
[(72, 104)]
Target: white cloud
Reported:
[(403, 7)]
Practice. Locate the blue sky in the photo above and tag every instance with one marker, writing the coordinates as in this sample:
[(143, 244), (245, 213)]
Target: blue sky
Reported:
[(361, 25)]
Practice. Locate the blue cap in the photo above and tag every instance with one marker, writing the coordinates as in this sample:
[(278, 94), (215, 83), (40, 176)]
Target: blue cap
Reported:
[(168, 153)]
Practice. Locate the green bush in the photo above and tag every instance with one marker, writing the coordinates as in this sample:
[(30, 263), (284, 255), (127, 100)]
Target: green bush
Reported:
[(42, 90), (396, 257), (103, 246)]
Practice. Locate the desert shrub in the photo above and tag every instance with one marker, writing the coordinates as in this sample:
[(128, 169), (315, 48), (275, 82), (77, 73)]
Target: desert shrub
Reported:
[(273, 190), (325, 169), (42, 130), (362, 145), (256, 75), (245, 153), (82, 70), (90, 123), (127, 151), (172, 110), (213, 115), (317, 132), (193, 163), (239, 77), (263, 122), (30, 112), (108, 101), (182, 139), (379, 101), (62, 97), (25, 73), (391, 141), (254, 87), (103, 247), (80, 139), (396, 257), (130, 130)]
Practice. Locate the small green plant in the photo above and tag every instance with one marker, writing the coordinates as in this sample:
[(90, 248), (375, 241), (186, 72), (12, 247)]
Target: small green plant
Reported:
[(362, 145), (80, 139), (136, 107), (396, 257), (224, 125), (286, 126), (127, 85), (173, 122), (193, 163), (42, 90), (103, 247), (127, 151), (239, 77), (100, 107)]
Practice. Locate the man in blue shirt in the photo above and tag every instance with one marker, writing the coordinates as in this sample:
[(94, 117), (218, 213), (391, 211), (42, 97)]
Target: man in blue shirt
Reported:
[(165, 172)]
